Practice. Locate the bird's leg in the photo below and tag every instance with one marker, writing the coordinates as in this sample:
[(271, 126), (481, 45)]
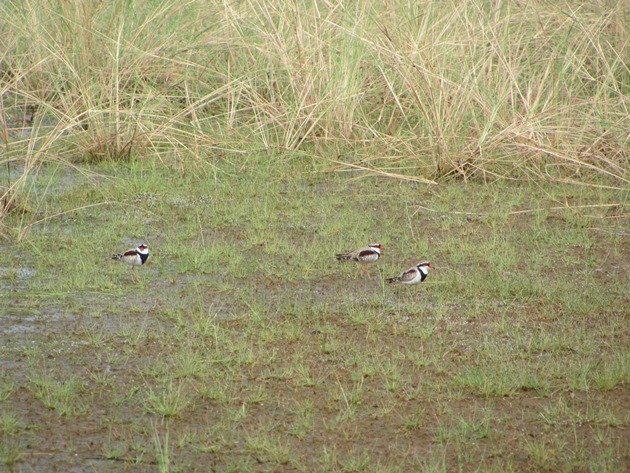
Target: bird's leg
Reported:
[(379, 276)]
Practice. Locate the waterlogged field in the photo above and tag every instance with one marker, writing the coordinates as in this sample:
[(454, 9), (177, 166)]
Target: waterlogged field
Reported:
[(243, 345), (248, 142)]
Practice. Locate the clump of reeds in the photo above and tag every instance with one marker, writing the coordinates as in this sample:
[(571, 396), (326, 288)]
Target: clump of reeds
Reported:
[(429, 88)]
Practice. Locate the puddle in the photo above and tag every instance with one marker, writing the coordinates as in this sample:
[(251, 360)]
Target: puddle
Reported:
[(22, 273), (19, 123), (14, 278), (15, 325), (21, 321)]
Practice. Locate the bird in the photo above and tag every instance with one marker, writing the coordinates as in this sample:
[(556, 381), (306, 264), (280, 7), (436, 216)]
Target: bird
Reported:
[(367, 254), (413, 275), (134, 257)]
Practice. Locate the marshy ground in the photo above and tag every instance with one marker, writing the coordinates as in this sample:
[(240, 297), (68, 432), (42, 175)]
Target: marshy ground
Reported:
[(244, 346)]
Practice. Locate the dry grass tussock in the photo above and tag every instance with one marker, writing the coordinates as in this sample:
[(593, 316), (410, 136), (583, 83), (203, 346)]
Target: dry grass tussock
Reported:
[(421, 89)]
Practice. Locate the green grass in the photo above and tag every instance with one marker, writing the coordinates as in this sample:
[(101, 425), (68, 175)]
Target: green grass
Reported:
[(243, 344), (61, 396), (9, 424), (167, 401), (6, 389), (464, 431), (162, 451), (10, 455), (267, 449)]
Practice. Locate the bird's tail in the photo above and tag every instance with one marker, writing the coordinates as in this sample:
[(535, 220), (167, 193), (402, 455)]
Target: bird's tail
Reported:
[(393, 280), (116, 256), (342, 257)]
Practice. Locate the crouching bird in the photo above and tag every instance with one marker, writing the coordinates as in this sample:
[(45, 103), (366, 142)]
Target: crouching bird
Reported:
[(367, 254), (413, 275)]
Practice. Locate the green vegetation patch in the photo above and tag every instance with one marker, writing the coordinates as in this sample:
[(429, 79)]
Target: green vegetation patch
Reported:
[(243, 344)]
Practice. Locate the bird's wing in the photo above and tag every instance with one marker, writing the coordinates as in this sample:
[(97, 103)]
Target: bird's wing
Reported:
[(130, 253), (409, 275)]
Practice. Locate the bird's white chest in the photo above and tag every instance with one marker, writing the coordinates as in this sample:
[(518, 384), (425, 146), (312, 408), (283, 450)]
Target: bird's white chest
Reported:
[(369, 258), (133, 260), (417, 277)]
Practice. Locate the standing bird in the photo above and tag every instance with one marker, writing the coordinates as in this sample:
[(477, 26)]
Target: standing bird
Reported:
[(413, 275), (135, 257)]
